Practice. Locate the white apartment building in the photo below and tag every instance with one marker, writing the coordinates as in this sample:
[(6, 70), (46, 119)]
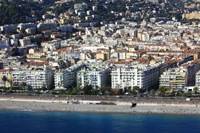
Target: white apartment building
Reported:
[(197, 83), (51, 45), (34, 78), (67, 77), (96, 77), (143, 76)]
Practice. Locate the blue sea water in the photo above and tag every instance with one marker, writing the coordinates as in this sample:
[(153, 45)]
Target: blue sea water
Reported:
[(58, 122)]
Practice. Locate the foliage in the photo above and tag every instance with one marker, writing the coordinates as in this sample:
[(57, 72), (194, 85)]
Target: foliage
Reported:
[(161, 91), (75, 90), (17, 11), (23, 85), (179, 93), (4, 79), (87, 89), (105, 89), (195, 90), (188, 94), (152, 92), (12, 13), (60, 9)]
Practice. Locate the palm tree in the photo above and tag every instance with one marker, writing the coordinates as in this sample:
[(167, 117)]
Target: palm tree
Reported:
[(4, 79)]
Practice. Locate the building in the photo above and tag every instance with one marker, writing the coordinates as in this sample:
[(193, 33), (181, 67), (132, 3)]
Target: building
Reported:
[(66, 78), (8, 74), (179, 78), (94, 76), (174, 78), (143, 76), (51, 45), (192, 15), (33, 78), (59, 80), (197, 83)]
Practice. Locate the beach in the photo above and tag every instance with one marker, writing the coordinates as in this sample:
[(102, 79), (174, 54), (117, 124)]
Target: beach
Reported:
[(85, 105)]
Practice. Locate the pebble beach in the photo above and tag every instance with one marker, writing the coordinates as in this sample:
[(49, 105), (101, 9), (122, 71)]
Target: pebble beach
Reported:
[(118, 106)]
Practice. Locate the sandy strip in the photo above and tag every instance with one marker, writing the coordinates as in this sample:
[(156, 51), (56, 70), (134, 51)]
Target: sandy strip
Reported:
[(120, 107)]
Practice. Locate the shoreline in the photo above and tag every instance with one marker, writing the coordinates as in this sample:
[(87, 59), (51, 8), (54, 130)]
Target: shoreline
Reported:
[(120, 107)]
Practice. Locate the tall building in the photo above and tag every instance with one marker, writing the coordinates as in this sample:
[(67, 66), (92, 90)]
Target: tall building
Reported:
[(143, 76), (66, 78), (174, 78), (197, 83), (96, 77), (178, 78), (8, 74), (33, 78)]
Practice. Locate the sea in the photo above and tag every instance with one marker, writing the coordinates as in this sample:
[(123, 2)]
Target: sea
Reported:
[(62, 122)]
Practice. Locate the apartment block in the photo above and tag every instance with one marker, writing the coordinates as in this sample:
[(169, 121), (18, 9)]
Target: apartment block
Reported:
[(66, 78), (179, 78), (34, 78), (143, 76), (94, 76)]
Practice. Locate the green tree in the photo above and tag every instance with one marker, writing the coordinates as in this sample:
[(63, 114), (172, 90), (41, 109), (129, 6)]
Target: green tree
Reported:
[(188, 94), (4, 79), (129, 90), (94, 92), (23, 86), (43, 87), (43, 57), (69, 90), (179, 92), (108, 89), (136, 90), (75, 90), (105, 89), (87, 89), (195, 90), (152, 92), (161, 91)]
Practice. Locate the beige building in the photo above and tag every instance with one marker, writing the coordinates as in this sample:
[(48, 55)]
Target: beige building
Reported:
[(193, 15), (8, 75), (179, 78), (102, 56)]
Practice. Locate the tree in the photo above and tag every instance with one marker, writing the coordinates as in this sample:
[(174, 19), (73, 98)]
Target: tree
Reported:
[(94, 92), (108, 89), (161, 91), (69, 90), (129, 90), (75, 90), (179, 93), (43, 87), (4, 79), (87, 89), (188, 94), (152, 92), (195, 90), (136, 90), (105, 89), (23, 86), (43, 57), (102, 90)]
